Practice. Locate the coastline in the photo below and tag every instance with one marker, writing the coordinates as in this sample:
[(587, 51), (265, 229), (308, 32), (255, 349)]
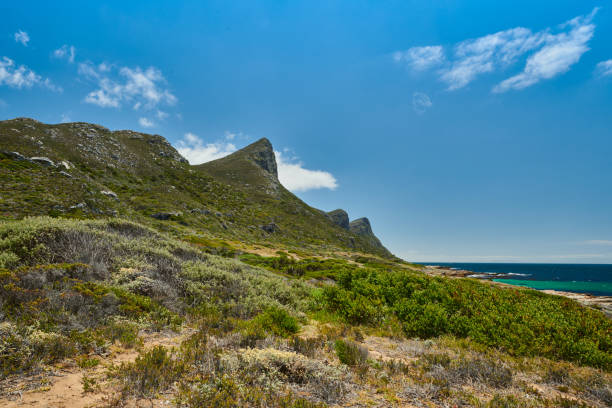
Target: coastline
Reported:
[(603, 303)]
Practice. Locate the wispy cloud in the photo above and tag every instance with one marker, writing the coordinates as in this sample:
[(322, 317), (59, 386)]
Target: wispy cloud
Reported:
[(65, 51), (598, 242), (604, 68), (421, 58), (146, 122), (22, 37), (551, 52), (193, 148), (124, 85), (65, 118), (421, 102), (417, 256), (293, 175), (559, 53), (20, 76)]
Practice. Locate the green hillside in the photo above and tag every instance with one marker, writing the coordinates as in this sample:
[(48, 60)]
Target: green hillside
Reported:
[(94, 172)]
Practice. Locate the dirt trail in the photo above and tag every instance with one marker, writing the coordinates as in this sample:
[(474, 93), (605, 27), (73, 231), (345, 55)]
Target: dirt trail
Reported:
[(66, 386)]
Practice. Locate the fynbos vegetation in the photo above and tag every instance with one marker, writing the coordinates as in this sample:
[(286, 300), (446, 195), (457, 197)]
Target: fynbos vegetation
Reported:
[(175, 306)]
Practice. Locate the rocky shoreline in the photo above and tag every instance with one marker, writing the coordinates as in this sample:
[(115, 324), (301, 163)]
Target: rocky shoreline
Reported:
[(603, 303)]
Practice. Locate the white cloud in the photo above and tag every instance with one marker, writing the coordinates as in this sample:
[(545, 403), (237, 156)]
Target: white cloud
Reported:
[(484, 54), (421, 58), (65, 51), (196, 151), (141, 88), (161, 115), (22, 37), (550, 53), (604, 68), (420, 102), (65, 118), (146, 122), (295, 177), (559, 53), (22, 77)]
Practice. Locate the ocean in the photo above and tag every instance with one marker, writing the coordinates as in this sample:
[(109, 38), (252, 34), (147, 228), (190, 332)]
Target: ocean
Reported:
[(580, 278)]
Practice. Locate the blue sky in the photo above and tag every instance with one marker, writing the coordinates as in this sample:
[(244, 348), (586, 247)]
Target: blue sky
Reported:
[(466, 131)]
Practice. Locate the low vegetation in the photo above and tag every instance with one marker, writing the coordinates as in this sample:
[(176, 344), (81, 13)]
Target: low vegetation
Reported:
[(519, 321), (283, 332)]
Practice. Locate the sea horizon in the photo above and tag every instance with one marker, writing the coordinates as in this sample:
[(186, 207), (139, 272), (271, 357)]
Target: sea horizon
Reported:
[(588, 278)]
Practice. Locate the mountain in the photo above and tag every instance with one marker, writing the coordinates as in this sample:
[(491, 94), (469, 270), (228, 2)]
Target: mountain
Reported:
[(83, 170), (362, 228)]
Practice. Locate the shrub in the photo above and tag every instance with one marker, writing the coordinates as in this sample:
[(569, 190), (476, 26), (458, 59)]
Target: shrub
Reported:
[(505, 401), (225, 392), (273, 369), (350, 353), (519, 321), (278, 321), (151, 372), (478, 370), (121, 330)]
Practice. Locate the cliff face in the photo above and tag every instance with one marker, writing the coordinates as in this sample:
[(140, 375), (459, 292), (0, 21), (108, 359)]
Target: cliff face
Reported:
[(362, 228), (340, 218)]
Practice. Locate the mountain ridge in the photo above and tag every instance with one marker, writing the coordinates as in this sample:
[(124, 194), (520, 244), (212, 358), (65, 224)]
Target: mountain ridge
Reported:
[(95, 172)]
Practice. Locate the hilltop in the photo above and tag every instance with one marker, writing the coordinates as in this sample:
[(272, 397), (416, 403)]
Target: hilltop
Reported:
[(86, 170)]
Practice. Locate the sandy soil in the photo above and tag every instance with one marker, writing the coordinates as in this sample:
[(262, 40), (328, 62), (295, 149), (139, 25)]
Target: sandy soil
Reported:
[(62, 387)]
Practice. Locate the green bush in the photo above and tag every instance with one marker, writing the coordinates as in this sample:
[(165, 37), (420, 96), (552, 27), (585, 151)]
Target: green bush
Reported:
[(278, 321), (519, 321), (350, 353), (153, 371)]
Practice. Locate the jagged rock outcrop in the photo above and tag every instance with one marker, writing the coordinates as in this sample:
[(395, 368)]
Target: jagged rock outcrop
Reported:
[(262, 154), (339, 217), (270, 228), (363, 228)]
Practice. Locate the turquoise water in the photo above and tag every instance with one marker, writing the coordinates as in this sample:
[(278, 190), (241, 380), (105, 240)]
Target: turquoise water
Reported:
[(580, 287), (582, 278)]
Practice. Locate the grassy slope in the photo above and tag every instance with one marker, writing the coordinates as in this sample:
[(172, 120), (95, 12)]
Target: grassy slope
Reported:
[(146, 174)]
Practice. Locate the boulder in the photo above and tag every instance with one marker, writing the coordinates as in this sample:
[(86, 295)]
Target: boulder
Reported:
[(109, 193), (270, 228), (164, 216), (45, 161)]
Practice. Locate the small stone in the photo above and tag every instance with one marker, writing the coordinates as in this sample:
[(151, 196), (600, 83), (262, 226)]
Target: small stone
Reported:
[(270, 228), (45, 161), (109, 193)]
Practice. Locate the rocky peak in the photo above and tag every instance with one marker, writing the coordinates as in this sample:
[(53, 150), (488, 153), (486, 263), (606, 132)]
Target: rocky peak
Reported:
[(361, 226), (339, 217), (262, 154)]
